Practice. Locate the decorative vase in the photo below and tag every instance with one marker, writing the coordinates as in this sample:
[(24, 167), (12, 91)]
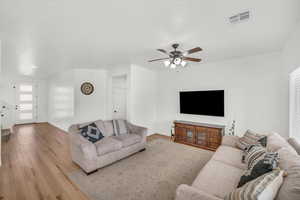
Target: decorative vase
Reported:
[(232, 129)]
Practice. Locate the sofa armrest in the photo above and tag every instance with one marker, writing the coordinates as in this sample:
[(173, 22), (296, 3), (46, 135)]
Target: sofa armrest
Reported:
[(89, 151), (230, 140), (142, 131), (185, 192), (77, 141)]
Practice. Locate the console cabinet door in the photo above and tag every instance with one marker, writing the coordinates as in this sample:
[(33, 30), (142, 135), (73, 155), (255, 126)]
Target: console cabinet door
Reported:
[(180, 134), (190, 134), (201, 136), (185, 134), (214, 138)]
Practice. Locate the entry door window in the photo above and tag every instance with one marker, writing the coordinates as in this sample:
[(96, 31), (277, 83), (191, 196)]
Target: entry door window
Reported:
[(25, 103)]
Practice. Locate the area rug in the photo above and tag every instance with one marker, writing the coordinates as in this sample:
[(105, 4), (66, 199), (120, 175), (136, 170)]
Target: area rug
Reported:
[(150, 175)]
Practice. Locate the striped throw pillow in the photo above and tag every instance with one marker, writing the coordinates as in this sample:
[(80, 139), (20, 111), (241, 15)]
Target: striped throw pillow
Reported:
[(251, 137), (259, 162), (120, 127), (264, 187)]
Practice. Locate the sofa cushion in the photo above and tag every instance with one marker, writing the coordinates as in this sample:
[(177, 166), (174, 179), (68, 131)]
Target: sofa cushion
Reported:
[(217, 178), (275, 142), (290, 188), (288, 159), (107, 145), (128, 139), (109, 129), (229, 155), (295, 144)]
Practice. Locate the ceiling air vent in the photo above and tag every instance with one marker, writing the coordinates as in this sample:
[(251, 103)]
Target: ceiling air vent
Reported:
[(239, 17)]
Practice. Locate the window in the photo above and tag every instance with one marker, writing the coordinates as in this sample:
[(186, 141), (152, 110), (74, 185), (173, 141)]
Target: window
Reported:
[(25, 88), (295, 104), (26, 97)]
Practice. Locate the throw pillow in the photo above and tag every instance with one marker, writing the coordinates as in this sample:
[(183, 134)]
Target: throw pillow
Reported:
[(120, 127), (251, 137), (91, 133), (259, 162), (264, 187)]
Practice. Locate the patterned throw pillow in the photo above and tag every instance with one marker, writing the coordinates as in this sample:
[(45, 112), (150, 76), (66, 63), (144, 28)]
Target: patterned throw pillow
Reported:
[(91, 133), (263, 188), (251, 138), (259, 162)]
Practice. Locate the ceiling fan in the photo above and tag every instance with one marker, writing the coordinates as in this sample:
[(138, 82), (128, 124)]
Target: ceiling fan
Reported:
[(177, 58)]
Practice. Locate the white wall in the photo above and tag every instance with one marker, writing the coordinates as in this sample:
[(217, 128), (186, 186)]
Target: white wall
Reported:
[(254, 90), (291, 62), (91, 107), (141, 94), (66, 102), (143, 97), (291, 51)]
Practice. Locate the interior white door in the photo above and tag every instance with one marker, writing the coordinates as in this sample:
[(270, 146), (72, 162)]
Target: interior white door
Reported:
[(26, 103), (119, 102)]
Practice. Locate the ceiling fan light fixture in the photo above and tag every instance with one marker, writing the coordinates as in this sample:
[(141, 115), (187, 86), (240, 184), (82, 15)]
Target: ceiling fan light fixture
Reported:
[(177, 58), (172, 66), (177, 61), (183, 63), (167, 63)]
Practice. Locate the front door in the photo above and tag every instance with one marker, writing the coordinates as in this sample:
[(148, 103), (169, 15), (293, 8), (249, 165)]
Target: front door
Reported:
[(119, 97), (26, 103)]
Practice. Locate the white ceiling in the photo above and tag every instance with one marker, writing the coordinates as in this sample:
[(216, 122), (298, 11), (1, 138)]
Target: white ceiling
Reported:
[(58, 34)]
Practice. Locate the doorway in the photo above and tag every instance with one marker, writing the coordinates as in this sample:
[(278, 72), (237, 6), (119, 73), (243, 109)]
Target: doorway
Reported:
[(26, 103), (119, 97)]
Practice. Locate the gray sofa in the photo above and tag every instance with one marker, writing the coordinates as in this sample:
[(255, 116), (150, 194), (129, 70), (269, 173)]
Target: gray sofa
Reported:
[(92, 156), (222, 173)]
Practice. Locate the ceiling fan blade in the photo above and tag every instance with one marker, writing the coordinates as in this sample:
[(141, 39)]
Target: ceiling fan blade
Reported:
[(163, 51), (191, 59), (194, 50), (158, 59)]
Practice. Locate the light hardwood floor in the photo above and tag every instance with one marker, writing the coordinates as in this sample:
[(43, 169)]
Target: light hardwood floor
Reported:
[(34, 165)]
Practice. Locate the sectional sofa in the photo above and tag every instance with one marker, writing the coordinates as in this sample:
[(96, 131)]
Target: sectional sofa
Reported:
[(222, 173)]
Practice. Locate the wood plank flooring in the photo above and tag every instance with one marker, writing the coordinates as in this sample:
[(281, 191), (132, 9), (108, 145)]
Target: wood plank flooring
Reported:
[(35, 161)]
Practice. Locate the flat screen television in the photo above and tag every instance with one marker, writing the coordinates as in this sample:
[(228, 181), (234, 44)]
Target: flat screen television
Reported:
[(210, 102)]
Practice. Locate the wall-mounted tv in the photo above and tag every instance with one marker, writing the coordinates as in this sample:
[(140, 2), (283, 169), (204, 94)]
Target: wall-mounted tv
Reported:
[(210, 102)]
